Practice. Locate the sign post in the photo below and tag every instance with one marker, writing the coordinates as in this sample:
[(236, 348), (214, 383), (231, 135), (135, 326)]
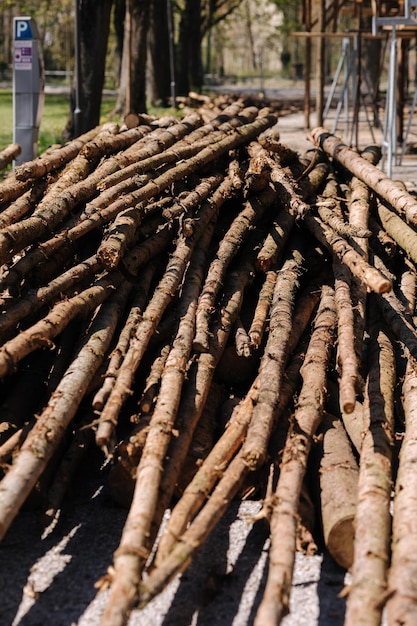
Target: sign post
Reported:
[(408, 20), (28, 87)]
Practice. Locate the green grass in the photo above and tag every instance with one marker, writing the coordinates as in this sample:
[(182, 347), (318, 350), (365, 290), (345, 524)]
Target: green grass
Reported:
[(54, 118), (6, 117)]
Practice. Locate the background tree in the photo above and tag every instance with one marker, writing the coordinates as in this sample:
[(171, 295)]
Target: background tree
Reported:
[(94, 21), (132, 89), (196, 19), (189, 48), (291, 21), (246, 36), (115, 63), (159, 73)]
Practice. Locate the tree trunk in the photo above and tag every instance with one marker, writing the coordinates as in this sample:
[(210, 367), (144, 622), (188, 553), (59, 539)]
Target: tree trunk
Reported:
[(159, 79), (132, 90), (119, 13), (372, 67), (189, 48), (94, 20), (401, 87), (249, 33)]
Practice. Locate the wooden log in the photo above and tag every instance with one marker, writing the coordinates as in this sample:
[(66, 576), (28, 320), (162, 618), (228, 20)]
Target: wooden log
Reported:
[(276, 354), (8, 154), (338, 491), (404, 235), (373, 518), (402, 598), (391, 191), (51, 425), (55, 159), (348, 255), (252, 211), (305, 422), (163, 295)]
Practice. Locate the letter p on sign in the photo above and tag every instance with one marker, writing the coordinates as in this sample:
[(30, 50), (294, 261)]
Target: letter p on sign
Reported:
[(23, 29)]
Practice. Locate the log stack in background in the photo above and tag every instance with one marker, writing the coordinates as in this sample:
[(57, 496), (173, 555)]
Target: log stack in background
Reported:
[(224, 318)]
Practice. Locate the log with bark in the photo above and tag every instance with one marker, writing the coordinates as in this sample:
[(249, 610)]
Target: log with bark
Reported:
[(8, 154), (221, 317)]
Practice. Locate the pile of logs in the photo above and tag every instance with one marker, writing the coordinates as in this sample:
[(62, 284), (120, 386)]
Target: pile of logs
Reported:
[(225, 318)]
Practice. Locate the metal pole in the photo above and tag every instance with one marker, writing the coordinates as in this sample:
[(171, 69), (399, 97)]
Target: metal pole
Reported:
[(344, 55), (171, 54), (320, 63), (390, 128), (356, 87), (346, 94), (77, 109)]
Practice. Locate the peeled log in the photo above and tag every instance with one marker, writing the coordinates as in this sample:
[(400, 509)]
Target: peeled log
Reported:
[(338, 487), (391, 191)]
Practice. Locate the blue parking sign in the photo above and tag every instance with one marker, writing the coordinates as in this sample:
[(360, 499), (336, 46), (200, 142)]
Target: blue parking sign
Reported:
[(23, 29)]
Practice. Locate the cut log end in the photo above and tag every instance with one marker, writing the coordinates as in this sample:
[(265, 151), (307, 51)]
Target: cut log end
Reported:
[(340, 542)]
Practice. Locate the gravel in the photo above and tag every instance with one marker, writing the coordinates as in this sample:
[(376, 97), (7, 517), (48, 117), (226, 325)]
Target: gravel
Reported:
[(49, 579)]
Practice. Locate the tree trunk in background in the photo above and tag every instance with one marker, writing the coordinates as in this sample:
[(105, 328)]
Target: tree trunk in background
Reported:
[(132, 90), (249, 32), (371, 59), (321, 27), (401, 87), (189, 64), (94, 31), (159, 77), (307, 63), (119, 24), (6, 41)]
